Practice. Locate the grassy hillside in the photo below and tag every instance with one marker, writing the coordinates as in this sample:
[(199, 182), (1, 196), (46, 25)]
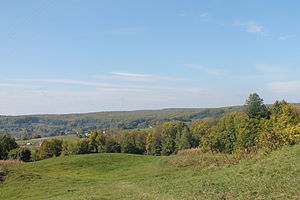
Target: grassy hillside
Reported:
[(123, 176)]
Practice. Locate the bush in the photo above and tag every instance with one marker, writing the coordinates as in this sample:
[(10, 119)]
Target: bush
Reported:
[(7, 144), (50, 148), (234, 132), (70, 147), (21, 154), (112, 146), (283, 128), (83, 146), (97, 142)]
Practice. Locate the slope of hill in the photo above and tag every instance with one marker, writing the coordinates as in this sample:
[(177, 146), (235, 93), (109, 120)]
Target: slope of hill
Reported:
[(51, 125), (123, 176)]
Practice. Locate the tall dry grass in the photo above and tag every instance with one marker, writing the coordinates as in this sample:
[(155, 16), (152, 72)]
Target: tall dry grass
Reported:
[(9, 162), (200, 159)]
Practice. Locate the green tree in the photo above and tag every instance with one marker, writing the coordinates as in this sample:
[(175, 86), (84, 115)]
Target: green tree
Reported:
[(70, 147), (170, 133), (112, 145), (234, 132), (21, 154), (97, 142), (7, 144), (50, 148), (133, 141), (255, 107), (184, 140), (282, 128), (153, 143), (199, 128), (83, 146)]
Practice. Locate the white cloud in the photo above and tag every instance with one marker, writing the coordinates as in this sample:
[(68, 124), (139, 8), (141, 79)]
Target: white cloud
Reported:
[(65, 81), (250, 26), (138, 77), (119, 87), (285, 37), (266, 68), (285, 86), (211, 71), (12, 85)]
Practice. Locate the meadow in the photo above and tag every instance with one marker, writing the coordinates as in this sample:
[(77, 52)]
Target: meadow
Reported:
[(127, 176), (40, 140)]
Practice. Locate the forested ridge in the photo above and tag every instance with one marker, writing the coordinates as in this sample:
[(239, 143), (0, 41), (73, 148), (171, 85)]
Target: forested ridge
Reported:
[(31, 126)]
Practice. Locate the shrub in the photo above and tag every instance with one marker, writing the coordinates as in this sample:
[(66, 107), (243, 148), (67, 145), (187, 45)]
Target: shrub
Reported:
[(234, 132), (50, 148), (70, 147), (7, 144), (112, 146), (83, 146), (97, 142), (283, 128), (21, 154)]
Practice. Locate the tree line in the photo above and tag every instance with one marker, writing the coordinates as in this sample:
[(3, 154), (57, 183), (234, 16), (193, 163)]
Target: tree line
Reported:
[(258, 126)]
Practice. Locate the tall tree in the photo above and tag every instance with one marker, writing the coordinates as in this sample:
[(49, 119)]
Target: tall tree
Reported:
[(255, 107), (97, 141), (184, 140), (170, 133)]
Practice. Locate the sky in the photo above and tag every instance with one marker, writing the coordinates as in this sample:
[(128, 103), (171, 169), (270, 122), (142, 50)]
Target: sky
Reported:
[(78, 56)]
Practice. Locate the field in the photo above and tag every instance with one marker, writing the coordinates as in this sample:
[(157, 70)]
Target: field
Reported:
[(38, 140), (124, 176)]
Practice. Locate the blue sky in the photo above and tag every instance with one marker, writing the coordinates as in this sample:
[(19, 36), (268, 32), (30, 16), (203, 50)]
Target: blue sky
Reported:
[(100, 55)]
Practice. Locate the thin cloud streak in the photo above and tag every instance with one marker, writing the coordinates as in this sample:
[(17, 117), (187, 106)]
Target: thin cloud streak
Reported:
[(211, 71), (266, 68), (110, 86), (65, 81), (285, 86), (138, 77), (250, 26), (12, 85), (285, 37)]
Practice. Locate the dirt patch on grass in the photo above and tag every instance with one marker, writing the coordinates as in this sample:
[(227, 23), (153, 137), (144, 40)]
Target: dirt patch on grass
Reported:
[(9, 162)]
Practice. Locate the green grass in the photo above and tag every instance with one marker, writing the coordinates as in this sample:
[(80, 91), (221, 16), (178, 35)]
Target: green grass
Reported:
[(37, 140), (123, 176)]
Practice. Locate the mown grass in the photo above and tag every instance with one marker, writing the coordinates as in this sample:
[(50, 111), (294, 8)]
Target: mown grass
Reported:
[(123, 176)]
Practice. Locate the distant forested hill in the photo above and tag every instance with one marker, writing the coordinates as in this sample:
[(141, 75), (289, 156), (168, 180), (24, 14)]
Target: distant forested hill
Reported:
[(50, 125), (30, 126)]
